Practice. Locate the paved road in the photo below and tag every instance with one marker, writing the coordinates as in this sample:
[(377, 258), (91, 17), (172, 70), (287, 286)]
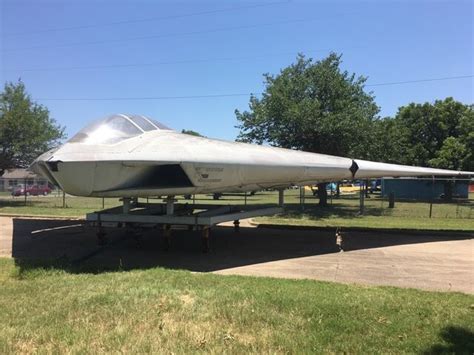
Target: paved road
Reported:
[(431, 262)]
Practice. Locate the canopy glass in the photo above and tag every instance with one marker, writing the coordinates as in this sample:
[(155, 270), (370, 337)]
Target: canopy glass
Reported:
[(115, 128)]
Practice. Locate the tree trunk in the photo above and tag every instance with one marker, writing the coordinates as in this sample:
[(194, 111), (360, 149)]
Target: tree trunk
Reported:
[(322, 194)]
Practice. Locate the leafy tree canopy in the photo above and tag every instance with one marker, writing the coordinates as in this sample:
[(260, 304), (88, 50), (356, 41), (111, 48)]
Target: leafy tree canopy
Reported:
[(439, 135), (448, 156), (26, 130), (311, 106)]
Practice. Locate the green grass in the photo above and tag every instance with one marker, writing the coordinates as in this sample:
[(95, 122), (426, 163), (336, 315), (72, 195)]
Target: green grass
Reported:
[(370, 222), (52, 205), (161, 311), (342, 211)]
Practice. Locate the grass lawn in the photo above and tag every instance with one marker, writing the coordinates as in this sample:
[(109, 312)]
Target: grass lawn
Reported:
[(342, 212), (158, 310)]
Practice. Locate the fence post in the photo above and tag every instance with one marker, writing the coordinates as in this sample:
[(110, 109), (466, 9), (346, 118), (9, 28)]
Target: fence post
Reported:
[(432, 195), (332, 191), (361, 198), (391, 200), (303, 191), (64, 199), (281, 197), (24, 190)]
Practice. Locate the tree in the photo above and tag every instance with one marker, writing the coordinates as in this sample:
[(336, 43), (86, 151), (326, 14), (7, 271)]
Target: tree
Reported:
[(384, 141), (439, 135), (466, 137), (312, 106), (448, 156), (26, 130), (191, 132)]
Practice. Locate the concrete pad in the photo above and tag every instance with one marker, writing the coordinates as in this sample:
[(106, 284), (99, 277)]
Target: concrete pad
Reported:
[(443, 262), (6, 233), (443, 266)]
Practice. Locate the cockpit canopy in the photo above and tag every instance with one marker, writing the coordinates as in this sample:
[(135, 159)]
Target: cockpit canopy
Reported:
[(116, 128)]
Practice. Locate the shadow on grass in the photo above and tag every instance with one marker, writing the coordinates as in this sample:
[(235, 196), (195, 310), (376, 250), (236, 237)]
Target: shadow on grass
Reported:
[(69, 246), (457, 340)]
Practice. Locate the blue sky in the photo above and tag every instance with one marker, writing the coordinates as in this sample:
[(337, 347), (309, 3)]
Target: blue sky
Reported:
[(224, 47)]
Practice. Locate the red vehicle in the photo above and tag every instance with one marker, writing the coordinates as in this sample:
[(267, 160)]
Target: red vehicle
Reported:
[(33, 190)]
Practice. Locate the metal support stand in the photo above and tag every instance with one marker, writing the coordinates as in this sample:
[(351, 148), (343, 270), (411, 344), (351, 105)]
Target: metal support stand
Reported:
[(199, 217), (126, 205), (170, 205), (236, 226)]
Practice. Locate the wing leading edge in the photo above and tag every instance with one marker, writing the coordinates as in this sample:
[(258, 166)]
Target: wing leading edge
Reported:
[(369, 169)]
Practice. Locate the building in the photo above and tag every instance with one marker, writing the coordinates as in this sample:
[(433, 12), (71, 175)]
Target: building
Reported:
[(15, 177), (423, 189)]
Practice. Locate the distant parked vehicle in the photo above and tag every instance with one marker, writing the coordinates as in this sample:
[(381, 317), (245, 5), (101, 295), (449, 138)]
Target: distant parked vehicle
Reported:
[(330, 188), (33, 190), (348, 188)]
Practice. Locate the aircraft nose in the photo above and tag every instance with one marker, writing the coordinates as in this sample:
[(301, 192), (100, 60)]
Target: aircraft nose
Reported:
[(39, 166)]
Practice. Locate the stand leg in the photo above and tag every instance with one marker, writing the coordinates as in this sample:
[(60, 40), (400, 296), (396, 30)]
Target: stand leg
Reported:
[(101, 238), (132, 232), (236, 226), (167, 235), (205, 239)]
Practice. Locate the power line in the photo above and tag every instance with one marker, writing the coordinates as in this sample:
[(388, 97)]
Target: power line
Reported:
[(230, 94), (137, 38), (145, 97), (149, 19), (182, 61), (421, 80)]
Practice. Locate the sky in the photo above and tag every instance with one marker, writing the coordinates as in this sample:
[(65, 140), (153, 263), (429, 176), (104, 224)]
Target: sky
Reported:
[(195, 62)]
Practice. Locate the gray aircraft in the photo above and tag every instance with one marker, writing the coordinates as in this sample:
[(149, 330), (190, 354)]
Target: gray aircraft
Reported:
[(133, 156)]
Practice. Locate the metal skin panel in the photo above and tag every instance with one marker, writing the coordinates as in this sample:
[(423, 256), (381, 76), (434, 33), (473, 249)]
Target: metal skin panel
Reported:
[(208, 165)]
